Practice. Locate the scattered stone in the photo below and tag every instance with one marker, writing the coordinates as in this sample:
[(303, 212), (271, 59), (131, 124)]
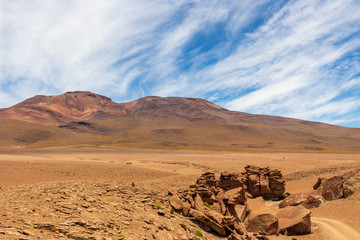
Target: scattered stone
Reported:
[(161, 212), (172, 191), (175, 202)]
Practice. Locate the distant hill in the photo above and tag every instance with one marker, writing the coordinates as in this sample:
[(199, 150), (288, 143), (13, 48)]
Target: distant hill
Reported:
[(86, 119)]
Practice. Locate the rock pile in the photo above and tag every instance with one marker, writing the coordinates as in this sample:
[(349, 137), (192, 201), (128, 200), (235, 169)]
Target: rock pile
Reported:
[(234, 205), (338, 186), (264, 182)]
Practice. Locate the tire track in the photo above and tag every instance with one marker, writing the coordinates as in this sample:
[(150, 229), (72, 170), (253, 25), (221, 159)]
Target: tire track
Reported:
[(337, 230)]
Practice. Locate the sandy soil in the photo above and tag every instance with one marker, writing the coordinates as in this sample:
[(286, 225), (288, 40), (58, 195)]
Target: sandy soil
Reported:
[(163, 169)]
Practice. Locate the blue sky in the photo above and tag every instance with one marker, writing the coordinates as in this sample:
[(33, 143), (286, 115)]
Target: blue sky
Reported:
[(297, 59)]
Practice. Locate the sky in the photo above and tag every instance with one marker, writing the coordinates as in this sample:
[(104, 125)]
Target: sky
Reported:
[(298, 59)]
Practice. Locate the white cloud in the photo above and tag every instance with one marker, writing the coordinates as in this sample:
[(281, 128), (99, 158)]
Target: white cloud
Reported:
[(298, 62)]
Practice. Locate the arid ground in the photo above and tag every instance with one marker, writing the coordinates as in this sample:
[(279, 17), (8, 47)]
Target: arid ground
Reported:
[(24, 174)]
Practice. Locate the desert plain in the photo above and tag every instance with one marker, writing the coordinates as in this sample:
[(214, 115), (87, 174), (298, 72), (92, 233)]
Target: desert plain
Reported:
[(32, 171)]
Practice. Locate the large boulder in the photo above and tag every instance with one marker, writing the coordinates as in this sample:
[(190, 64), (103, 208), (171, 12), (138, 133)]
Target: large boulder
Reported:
[(234, 196), (201, 217), (206, 194), (259, 218), (332, 188), (294, 220), (207, 179), (313, 201), (230, 181), (264, 182), (338, 186), (307, 200)]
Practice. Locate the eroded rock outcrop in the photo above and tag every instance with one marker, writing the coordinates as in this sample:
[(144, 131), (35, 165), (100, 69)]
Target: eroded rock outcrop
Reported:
[(233, 204), (338, 186), (264, 182)]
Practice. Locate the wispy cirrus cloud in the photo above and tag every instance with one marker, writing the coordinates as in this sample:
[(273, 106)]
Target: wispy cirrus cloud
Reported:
[(291, 58)]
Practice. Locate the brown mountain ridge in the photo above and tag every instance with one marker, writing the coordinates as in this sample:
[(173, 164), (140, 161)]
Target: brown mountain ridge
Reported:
[(86, 119)]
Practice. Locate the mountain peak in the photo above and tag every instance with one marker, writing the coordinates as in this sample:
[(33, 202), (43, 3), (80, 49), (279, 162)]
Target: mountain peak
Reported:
[(85, 105), (76, 99), (77, 105)]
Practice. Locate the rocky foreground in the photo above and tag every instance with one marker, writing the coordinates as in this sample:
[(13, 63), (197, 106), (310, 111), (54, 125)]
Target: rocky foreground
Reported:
[(85, 210), (230, 207), (234, 205)]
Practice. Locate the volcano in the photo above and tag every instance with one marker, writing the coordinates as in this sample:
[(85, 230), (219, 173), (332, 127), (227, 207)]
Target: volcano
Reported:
[(88, 119)]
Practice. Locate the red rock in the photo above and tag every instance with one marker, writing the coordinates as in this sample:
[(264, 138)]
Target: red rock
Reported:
[(198, 204), (235, 196), (254, 185), (348, 191), (172, 191), (186, 208), (313, 201), (207, 179), (293, 200), (260, 217), (220, 201), (206, 194), (229, 181), (307, 200), (318, 183), (264, 182), (294, 220), (201, 217), (235, 236), (175, 202), (332, 188)]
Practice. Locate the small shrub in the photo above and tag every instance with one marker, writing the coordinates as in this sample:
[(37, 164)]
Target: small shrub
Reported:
[(121, 236), (199, 233), (172, 210), (208, 206), (158, 206)]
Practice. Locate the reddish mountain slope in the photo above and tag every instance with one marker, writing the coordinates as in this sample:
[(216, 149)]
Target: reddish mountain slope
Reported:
[(78, 118), (63, 108), (78, 106)]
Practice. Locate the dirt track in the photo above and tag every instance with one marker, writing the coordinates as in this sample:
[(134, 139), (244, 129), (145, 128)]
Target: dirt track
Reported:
[(336, 230)]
